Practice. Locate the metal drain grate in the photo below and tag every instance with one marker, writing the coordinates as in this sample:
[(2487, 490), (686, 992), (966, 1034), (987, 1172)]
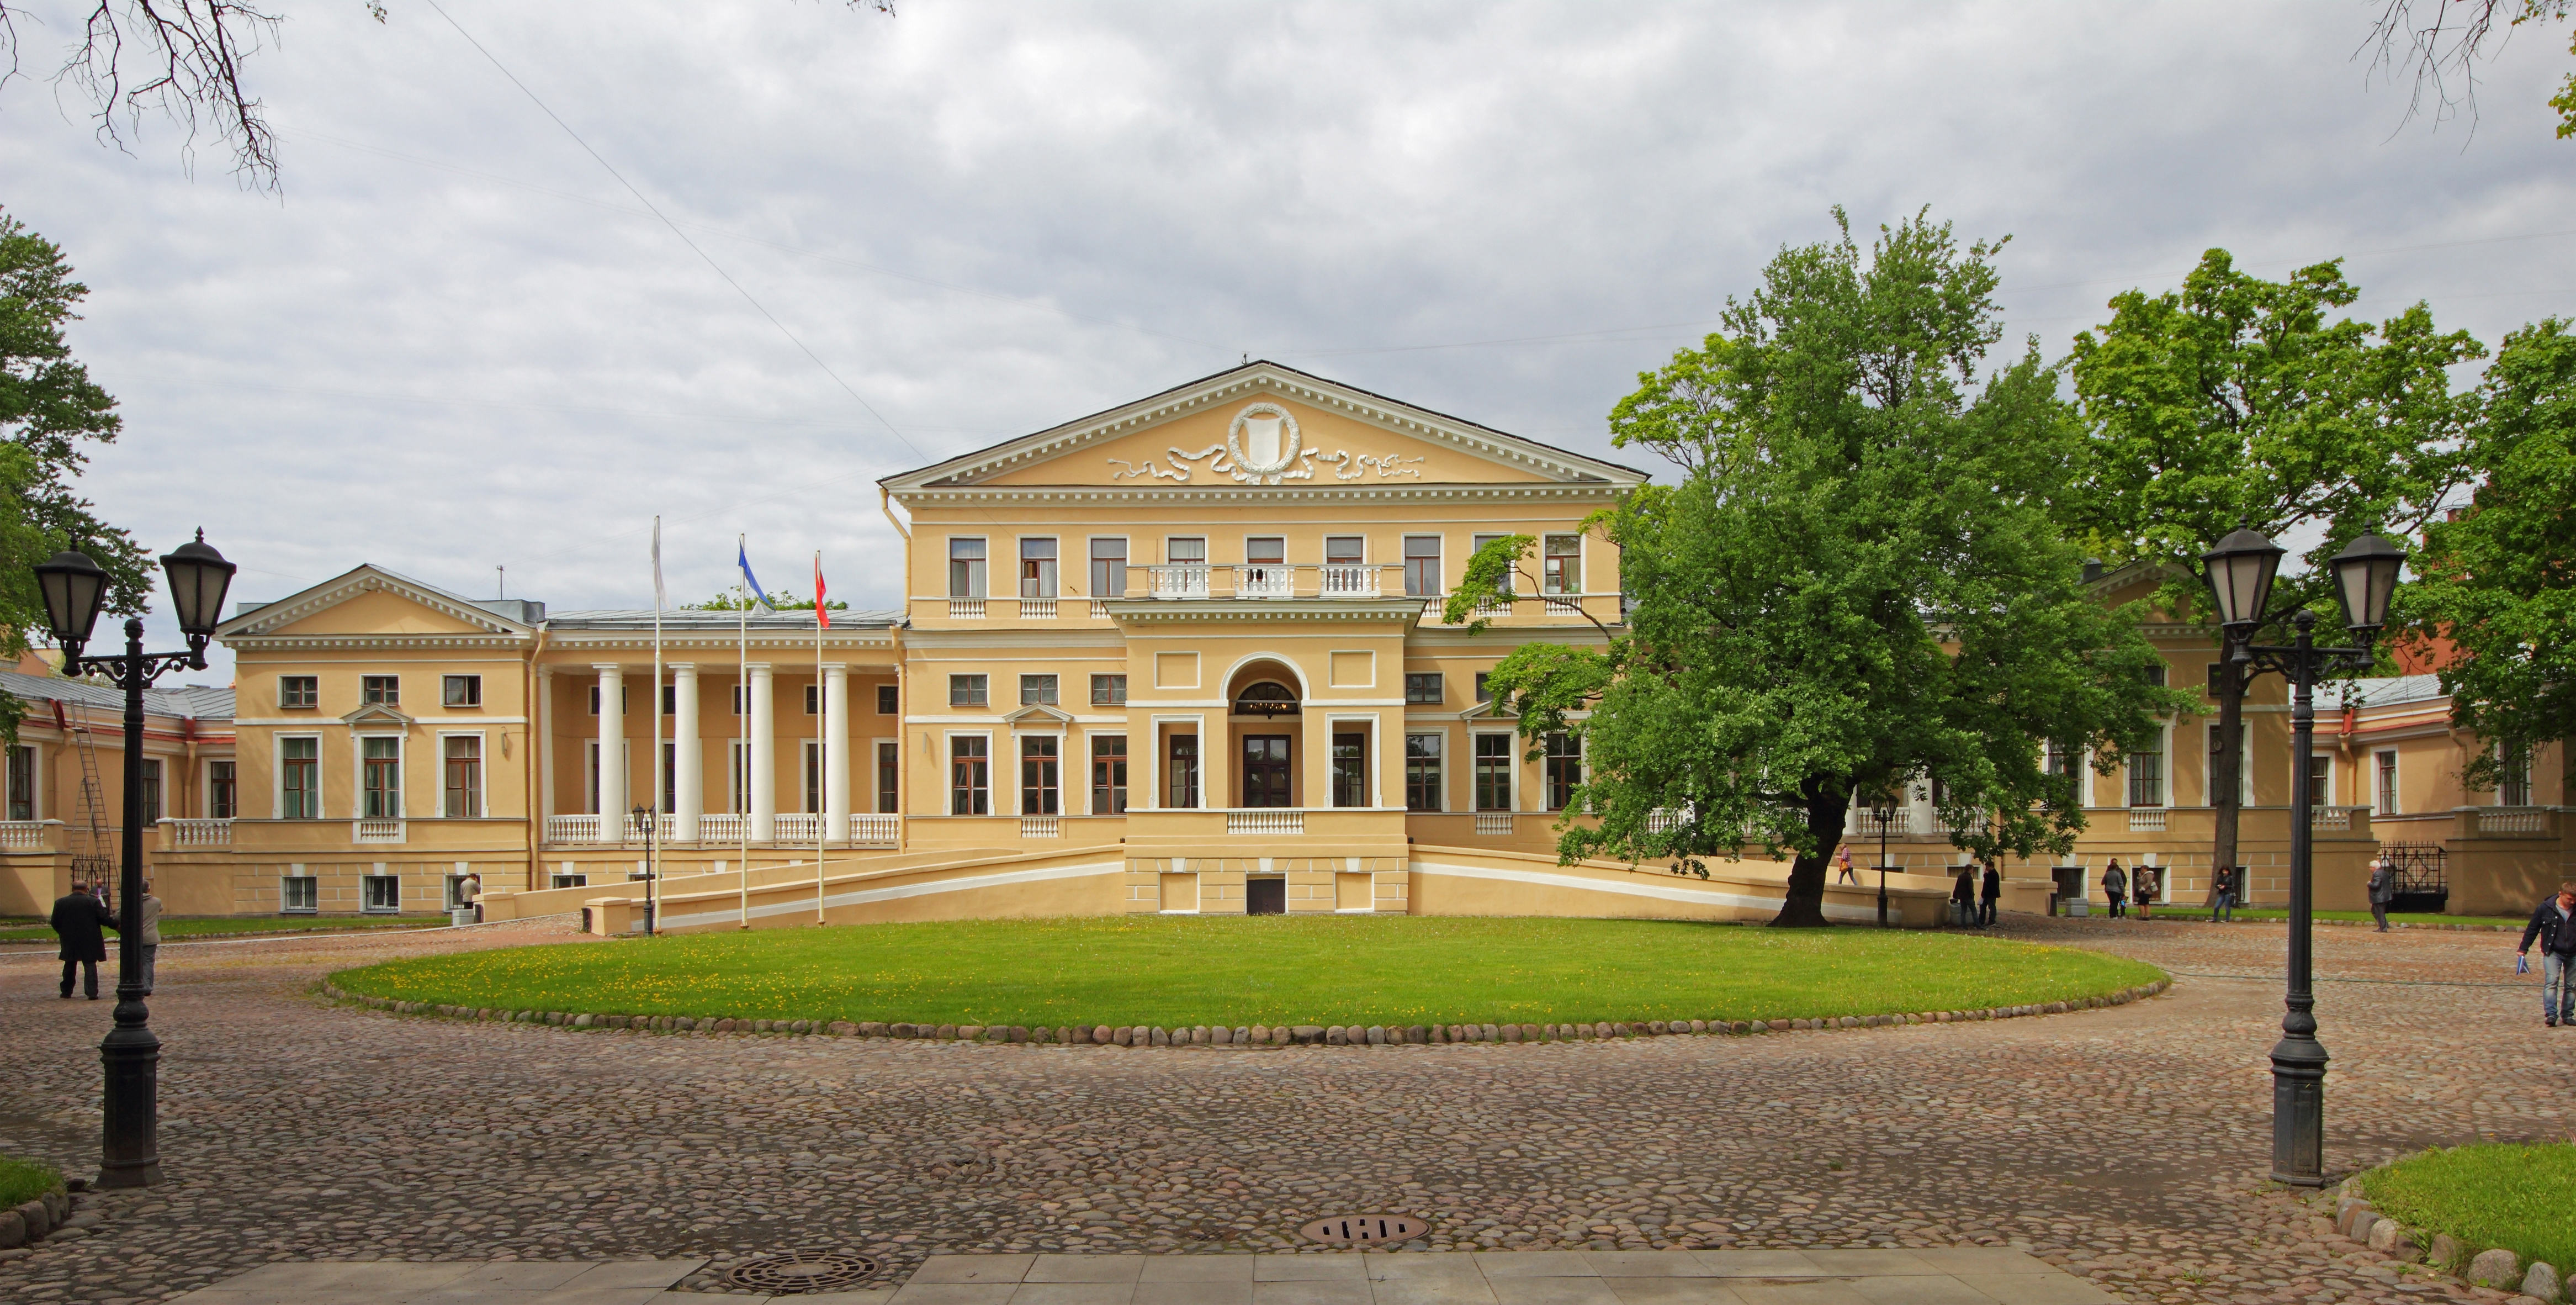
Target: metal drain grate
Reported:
[(791, 1273), (1364, 1229)]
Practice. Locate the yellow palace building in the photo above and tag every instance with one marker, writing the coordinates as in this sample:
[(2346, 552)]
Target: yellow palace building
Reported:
[(1186, 655)]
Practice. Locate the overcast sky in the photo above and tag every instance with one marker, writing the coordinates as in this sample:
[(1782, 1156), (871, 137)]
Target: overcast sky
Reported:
[(456, 342)]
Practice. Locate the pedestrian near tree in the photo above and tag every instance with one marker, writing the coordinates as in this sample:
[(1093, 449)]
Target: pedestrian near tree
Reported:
[(1963, 895), (2115, 886), (78, 919), (2222, 894), (1843, 865), (2383, 889), (1994, 891), (2144, 885), (2553, 924), (469, 892), (150, 942)]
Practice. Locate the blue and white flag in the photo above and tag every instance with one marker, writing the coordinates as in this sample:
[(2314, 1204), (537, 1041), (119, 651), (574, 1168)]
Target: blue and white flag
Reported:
[(759, 597)]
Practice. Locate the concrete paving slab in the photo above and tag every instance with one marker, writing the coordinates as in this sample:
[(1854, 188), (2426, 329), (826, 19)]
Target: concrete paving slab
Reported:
[(973, 1268), (656, 1274), (1980, 1259), (1818, 1291), (956, 1293), (522, 1275), (1673, 1291), (1920, 1290), (1405, 1266), (1195, 1293), (1085, 1268), (1552, 1291), (1758, 1264), (1647, 1264), (1311, 1291), (2036, 1288), (1309, 1268), (1075, 1293), (1432, 1289), (1197, 1268), (1499, 1265)]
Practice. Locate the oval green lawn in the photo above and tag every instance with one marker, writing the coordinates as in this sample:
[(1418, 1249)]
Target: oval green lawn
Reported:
[(1166, 970), (2517, 1195)]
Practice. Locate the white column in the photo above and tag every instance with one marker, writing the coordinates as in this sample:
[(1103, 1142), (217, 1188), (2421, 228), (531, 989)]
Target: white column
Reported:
[(612, 747), (545, 741), (688, 778), (764, 757), (836, 752)]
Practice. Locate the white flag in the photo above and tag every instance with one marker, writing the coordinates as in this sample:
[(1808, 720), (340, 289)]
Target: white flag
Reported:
[(661, 597)]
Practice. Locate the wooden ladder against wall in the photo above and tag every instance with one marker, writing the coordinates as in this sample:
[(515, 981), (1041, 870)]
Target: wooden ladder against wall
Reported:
[(93, 855)]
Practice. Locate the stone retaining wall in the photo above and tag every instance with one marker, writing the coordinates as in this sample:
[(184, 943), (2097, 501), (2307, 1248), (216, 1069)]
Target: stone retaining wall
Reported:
[(1304, 1035)]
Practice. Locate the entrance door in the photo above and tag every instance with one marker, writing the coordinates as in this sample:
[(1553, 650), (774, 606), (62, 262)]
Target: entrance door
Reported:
[(1265, 896), (1265, 770)]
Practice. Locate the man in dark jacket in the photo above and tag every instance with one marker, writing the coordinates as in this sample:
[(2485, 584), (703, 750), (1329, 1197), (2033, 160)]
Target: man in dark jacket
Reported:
[(2554, 925), (2383, 890), (1993, 886), (78, 919)]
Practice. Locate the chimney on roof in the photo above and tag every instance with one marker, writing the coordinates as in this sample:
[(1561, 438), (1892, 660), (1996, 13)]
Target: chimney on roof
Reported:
[(2092, 569)]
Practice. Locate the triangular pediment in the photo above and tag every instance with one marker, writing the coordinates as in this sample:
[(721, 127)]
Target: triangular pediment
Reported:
[(1269, 425), (376, 713), (370, 601), (1038, 714)]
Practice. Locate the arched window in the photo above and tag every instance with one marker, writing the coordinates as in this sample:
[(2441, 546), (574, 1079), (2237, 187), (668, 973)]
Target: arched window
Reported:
[(1266, 698)]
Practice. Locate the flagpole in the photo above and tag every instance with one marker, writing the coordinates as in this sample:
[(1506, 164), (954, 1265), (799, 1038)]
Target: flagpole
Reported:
[(742, 743), (822, 740), (653, 834)]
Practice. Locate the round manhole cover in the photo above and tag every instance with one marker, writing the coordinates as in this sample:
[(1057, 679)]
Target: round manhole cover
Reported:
[(1364, 1229), (790, 1273)]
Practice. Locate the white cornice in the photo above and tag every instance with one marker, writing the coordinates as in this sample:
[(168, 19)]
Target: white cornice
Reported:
[(1117, 496), (370, 642), (364, 580), (1199, 611)]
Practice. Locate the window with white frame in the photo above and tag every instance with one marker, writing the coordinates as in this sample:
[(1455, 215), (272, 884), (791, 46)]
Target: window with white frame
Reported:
[(380, 690), (1422, 772), (889, 778), (966, 691), (970, 775), (1186, 550), (223, 793), (383, 894), (2214, 756), (813, 700), (814, 776), (1561, 570), (298, 690), (1109, 568), (2514, 789), (965, 568), (1493, 772), (741, 777), (2147, 774), (1507, 581), (299, 778), (151, 787), (2385, 790), (1109, 691), (380, 777), (299, 894), (2321, 791), (1041, 775), (461, 691), (22, 783), (1108, 774), (1345, 550), (1037, 568), (461, 777), (1564, 768), (889, 701), (1036, 690)]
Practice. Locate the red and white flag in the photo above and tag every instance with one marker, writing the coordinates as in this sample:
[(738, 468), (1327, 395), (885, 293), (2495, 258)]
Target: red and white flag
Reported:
[(822, 615)]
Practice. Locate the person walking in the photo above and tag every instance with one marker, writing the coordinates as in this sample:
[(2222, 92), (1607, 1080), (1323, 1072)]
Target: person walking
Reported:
[(2115, 886), (2553, 923), (1843, 866), (469, 892), (1963, 895), (2383, 888), (2222, 895), (1994, 891), (150, 925), (2143, 887), (78, 919)]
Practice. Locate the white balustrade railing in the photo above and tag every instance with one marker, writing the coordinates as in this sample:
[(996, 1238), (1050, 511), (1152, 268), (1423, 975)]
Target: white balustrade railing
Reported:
[(965, 609), (1664, 820), (876, 830), (799, 827), (1494, 824), (572, 829), (1184, 580), (1101, 608), (2146, 820), (1342, 580), (22, 835), (1266, 820), (2510, 821), (191, 833), (1039, 826), (1975, 824), (721, 827), (1564, 604), (374, 829), (1037, 609), (1265, 580), (1494, 607), (2334, 818), (1864, 822)]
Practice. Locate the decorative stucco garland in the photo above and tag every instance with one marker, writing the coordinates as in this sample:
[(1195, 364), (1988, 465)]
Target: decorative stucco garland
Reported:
[(1335, 1035)]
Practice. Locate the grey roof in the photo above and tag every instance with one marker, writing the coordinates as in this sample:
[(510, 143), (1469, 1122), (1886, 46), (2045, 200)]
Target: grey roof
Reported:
[(2392, 691), (693, 620), (205, 702)]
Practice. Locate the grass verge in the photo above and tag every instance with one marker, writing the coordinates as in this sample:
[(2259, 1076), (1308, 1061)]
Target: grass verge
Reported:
[(1274, 970), (2358, 917), (2517, 1195), (223, 925), (22, 1181)]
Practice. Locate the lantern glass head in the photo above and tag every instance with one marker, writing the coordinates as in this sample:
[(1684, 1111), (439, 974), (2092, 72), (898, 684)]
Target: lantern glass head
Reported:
[(75, 590), (199, 577), (2365, 574), (2240, 572)]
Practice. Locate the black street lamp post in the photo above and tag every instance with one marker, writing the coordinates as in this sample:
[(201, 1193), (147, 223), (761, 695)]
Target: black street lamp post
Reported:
[(75, 591), (1883, 812), (2240, 573), (648, 822)]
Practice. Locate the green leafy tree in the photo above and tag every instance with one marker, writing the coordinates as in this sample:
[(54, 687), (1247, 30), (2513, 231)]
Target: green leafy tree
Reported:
[(2236, 401), (785, 600), (2499, 580), (1860, 580)]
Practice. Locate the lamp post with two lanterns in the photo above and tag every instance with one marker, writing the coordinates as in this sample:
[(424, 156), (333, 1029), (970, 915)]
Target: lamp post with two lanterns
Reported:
[(75, 591), (2240, 572)]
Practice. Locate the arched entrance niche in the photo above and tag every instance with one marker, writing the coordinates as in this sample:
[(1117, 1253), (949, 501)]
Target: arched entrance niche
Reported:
[(1265, 729)]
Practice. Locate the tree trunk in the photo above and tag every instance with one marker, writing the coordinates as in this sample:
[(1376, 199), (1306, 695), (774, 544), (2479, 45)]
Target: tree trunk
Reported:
[(1804, 907), (2227, 786)]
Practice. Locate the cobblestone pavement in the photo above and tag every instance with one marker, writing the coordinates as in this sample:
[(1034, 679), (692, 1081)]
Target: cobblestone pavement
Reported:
[(2127, 1145)]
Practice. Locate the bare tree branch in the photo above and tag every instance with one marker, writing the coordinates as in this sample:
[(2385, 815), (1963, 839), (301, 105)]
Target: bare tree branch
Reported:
[(2441, 42)]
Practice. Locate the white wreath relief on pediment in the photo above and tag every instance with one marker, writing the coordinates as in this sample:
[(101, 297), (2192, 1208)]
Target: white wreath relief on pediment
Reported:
[(1265, 447)]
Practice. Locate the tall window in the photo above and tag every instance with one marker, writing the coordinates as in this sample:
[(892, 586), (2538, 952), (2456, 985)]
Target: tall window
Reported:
[(1422, 565), (463, 764), (1564, 769), (970, 776), (1191, 551), (2515, 790), (1109, 691), (1421, 772), (966, 691), (1561, 572), (2387, 787), (2321, 779), (670, 775), (151, 790), (299, 778), (814, 776), (1477, 543), (965, 568), (741, 776), (1344, 550), (2147, 776), (1493, 772), (1040, 775), (889, 779), (813, 700), (22, 783), (1423, 688), (2217, 758), (1350, 770), (1108, 568), (1108, 774), (380, 774), (382, 689), (1037, 568), (1483, 694), (298, 690), (888, 701), (461, 691), (223, 796), (624, 696), (1184, 770), (1037, 690)]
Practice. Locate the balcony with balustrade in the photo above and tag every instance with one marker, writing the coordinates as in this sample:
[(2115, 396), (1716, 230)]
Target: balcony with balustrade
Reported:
[(718, 830)]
